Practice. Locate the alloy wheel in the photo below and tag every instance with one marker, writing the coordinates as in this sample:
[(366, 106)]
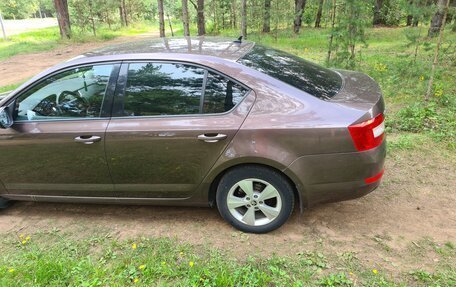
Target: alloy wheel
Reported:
[(254, 202)]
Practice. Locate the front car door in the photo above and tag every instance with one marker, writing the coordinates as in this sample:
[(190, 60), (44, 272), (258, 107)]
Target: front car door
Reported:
[(171, 121), (56, 145)]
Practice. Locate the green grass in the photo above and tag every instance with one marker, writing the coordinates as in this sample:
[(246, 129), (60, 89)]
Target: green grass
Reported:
[(39, 40), (9, 87), (46, 39), (54, 259)]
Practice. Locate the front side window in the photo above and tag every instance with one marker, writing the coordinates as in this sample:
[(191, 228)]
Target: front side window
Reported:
[(75, 93), (163, 89)]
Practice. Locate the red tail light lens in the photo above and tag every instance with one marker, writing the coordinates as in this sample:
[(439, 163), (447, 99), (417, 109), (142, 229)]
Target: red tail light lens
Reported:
[(368, 134)]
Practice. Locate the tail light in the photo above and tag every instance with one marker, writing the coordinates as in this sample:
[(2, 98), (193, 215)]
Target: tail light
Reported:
[(368, 134)]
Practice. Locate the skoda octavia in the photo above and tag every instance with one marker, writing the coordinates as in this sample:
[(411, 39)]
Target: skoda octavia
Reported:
[(193, 121)]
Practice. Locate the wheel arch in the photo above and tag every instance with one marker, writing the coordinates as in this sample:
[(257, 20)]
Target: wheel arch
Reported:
[(291, 178)]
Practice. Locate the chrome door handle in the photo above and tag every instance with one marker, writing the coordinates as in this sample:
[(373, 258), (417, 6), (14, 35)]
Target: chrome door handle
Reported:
[(87, 139), (212, 138)]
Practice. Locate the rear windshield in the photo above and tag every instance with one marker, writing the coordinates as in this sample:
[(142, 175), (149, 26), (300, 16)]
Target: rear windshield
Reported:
[(304, 75)]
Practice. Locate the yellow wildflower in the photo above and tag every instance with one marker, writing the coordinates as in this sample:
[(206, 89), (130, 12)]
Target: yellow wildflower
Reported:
[(11, 270), (133, 246), (351, 273), (438, 93), (27, 238), (191, 263), (135, 280), (421, 78), (375, 271), (181, 253), (142, 267), (21, 236), (24, 242), (380, 67)]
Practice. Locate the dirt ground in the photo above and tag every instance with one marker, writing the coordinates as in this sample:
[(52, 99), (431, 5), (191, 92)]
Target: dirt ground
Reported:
[(416, 201), (21, 67)]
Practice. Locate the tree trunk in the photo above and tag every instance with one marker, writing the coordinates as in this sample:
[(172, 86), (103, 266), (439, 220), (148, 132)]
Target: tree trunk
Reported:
[(92, 19), (3, 27), (124, 12), (437, 48), (319, 13), (185, 17), (215, 18), (200, 15), (233, 14), (437, 19), (122, 22), (170, 25), (333, 24), (63, 17), (409, 20), (267, 16), (161, 18), (244, 19), (300, 5), (379, 18), (410, 16)]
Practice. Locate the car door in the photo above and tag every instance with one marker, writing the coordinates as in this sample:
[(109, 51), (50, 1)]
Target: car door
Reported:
[(56, 144), (171, 121)]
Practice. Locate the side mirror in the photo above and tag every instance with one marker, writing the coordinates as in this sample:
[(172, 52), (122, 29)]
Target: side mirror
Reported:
[(6, 120)]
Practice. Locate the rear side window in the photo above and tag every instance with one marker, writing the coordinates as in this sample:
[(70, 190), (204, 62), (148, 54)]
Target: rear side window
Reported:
[(311, 78), (155, 89), (163, 89), (221, 94)]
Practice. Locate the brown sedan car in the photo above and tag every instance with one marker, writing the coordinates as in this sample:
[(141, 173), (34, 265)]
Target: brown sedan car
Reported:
[(193, 121)]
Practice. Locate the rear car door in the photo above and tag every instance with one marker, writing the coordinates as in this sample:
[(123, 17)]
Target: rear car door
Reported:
[(171, 121), (56, 145)]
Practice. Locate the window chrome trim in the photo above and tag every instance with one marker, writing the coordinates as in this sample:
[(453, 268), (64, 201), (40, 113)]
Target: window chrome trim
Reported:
[(121, 88), (203, 91), (68, 68), (188, 115)]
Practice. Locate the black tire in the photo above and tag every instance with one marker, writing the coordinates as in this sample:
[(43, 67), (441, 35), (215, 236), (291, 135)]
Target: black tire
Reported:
[(274, 178), (4, 203)]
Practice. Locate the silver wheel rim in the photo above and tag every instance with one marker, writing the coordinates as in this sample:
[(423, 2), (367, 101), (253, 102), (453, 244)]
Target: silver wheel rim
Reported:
[(254, 202)]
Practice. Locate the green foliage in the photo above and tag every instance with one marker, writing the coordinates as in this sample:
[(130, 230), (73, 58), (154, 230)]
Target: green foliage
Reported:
[(434, 279), (392, 13), (90, 15), (431, 117), (419, 10), (336, 280), (17, 9), (350, 30)]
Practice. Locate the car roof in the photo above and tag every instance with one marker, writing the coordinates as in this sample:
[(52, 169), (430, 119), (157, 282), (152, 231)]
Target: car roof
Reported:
[(225, 48)]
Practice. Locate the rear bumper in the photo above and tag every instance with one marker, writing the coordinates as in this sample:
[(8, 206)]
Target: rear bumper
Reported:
[(336, 177)]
